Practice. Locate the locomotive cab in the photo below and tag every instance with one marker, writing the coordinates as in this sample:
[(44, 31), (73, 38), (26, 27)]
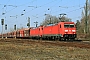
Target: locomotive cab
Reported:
[(68, 30)]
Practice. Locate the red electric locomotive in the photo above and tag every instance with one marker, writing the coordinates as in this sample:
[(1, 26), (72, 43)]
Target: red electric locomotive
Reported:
[(61, 31)]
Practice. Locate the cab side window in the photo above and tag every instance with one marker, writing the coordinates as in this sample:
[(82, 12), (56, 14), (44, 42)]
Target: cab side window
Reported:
[(42, 28), (39, 29), (60, 26)]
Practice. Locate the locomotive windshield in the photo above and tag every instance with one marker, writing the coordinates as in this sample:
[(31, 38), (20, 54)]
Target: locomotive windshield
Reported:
[(68, 25)]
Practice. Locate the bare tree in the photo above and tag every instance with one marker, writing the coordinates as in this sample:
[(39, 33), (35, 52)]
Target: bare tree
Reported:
[(49, 19), (84, 18)]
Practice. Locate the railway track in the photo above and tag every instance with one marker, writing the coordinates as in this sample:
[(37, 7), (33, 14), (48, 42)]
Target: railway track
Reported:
[(53, 43)]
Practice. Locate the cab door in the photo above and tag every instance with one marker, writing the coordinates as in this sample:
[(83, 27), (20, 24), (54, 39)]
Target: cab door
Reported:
[(61, 29), (40, 31)]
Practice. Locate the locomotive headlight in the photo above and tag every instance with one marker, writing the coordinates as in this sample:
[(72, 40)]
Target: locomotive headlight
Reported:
[(66, 30), (73, 30)]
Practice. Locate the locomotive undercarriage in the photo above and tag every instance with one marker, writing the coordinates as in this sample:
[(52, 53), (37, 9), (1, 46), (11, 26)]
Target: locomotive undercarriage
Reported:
[(69, 37), (66, 37)]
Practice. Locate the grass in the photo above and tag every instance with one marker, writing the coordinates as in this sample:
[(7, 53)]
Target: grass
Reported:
[(23, 51)]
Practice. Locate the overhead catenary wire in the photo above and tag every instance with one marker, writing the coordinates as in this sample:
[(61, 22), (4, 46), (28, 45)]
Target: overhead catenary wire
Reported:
[(35, 7), (27, 3), (32, 9), (5, 7), (14, 7), (40, 6), (70, 7)]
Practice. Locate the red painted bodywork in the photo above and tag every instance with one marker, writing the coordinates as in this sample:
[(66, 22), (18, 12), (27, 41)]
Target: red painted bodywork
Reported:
[(47, 30), (55, 29), (26, 32), (41, 31), (51, 30), (65, 30), (21, 33), (58, 29), (34, 32)]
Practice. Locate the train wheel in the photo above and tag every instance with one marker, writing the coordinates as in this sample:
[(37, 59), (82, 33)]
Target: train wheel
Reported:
[(54, 38), (60, 39), (70, 39)]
